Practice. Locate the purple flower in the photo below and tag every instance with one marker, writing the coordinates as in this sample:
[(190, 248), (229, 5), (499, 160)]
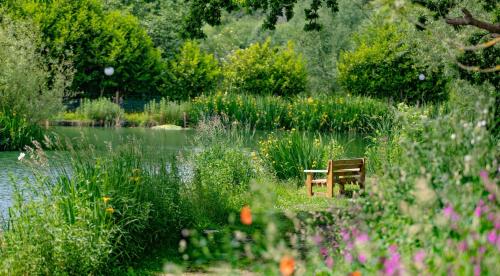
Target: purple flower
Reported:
[(317, 239), (393, 249), (491, 217), (462, 246), (323, 251), (492, 237), (477, 211), (481, 250), (345, 235), (329, 262), (362, 258)]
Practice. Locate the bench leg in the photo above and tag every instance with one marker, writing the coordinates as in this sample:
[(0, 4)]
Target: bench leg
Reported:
[(309, 179), (329, 187)]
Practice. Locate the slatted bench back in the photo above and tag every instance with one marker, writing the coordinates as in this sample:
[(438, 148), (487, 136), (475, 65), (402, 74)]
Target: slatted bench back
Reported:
[(349, 171)]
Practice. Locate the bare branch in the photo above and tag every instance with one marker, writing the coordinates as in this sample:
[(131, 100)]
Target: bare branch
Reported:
[(481, 46), (478, 69), (468, 19)]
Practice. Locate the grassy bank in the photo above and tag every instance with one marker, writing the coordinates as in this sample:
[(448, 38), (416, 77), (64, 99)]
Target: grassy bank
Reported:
[(322, 113)]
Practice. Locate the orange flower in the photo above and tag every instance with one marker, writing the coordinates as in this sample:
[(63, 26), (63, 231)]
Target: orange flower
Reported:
[(110, 210), (287, 266), (246, 215), (356, 273)]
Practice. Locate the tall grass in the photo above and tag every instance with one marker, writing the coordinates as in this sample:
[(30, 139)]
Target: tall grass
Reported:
[(102, 111), (102, 212), (323, 113), (165, 112), (17, 132), (289, 154)]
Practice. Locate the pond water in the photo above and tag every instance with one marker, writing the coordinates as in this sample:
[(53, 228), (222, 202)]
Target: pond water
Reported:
[(161, 142)]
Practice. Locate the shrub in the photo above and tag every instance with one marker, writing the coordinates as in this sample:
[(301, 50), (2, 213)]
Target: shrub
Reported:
[(288, 155), (265, 70), (101, 110), (106, 212), (165, 112), (323, 113), (192, 73), (384, 65)]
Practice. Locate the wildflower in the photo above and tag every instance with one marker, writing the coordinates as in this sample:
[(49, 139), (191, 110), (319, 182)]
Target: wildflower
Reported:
[(348, 257), (21, 156), (287, 265), (110, 210), (477, 270), (484, 176), (356, 273), (492, 237), (246, 215), (462, 246), (106, 199), (362, 258), (329, 262), (453, 136), (467, 158), (419, 258), (450, 213)]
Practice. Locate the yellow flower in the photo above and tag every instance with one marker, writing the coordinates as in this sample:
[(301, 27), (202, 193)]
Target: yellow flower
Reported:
[(310, 100), (110, 210), (106, 199)]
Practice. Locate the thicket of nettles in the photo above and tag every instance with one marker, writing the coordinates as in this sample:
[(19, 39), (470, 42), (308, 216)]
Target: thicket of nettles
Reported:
[(191, 73), (263, 69), (385, 65), (94, 38)]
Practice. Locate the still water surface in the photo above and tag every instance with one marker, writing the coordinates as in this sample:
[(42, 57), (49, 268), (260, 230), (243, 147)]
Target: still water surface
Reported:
[(161, 142)]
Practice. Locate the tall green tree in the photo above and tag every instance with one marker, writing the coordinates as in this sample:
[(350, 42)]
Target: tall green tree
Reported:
[(94, 39)]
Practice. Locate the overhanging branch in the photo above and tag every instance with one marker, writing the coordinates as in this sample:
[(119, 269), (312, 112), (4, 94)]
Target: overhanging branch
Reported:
[(468, 19)]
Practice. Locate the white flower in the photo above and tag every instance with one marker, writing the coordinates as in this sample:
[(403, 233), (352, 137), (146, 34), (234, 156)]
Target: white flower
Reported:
[(21, 156), (467, 158), (482, 123), (485, 111), (453, 136)]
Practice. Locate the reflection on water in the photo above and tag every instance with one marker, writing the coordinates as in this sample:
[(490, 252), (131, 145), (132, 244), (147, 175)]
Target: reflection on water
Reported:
[(162, 143)]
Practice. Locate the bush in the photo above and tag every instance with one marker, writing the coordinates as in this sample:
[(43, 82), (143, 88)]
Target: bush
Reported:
[(94, 218), (101, 110), (192, 73), (289, 155), (384, 65), (165, 112), (323, 113), (265, 70)]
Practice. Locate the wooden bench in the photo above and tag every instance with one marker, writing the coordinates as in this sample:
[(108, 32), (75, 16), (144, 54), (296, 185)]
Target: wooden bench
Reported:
[(338, 172)]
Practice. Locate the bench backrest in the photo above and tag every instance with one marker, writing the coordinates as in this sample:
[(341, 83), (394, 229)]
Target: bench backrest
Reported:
[(348, 171)]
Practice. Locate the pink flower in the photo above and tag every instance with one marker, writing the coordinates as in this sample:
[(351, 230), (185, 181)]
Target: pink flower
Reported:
[(484, 176), (329, 262), (317, 239), (363, 238), (491, 197), (323, 251), (477, 270), (492, 237), (392, 265), (345, 235), (419, 257), (450, 213), (348, 257), (362, 258), (462, 246), (477, 211), (481, 250)]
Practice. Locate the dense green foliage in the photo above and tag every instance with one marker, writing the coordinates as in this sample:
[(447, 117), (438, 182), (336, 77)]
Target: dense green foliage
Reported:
[(383, 65), (290, 154), (165, 112), (323, 113), (94, 39), (265, 70), (17, 132), (192, 73), (101, 110)]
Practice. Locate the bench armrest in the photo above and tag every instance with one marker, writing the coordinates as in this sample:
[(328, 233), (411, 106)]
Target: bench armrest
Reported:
[(316, 171)]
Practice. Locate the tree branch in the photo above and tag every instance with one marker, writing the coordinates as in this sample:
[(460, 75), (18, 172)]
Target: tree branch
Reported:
[(468, 19)]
